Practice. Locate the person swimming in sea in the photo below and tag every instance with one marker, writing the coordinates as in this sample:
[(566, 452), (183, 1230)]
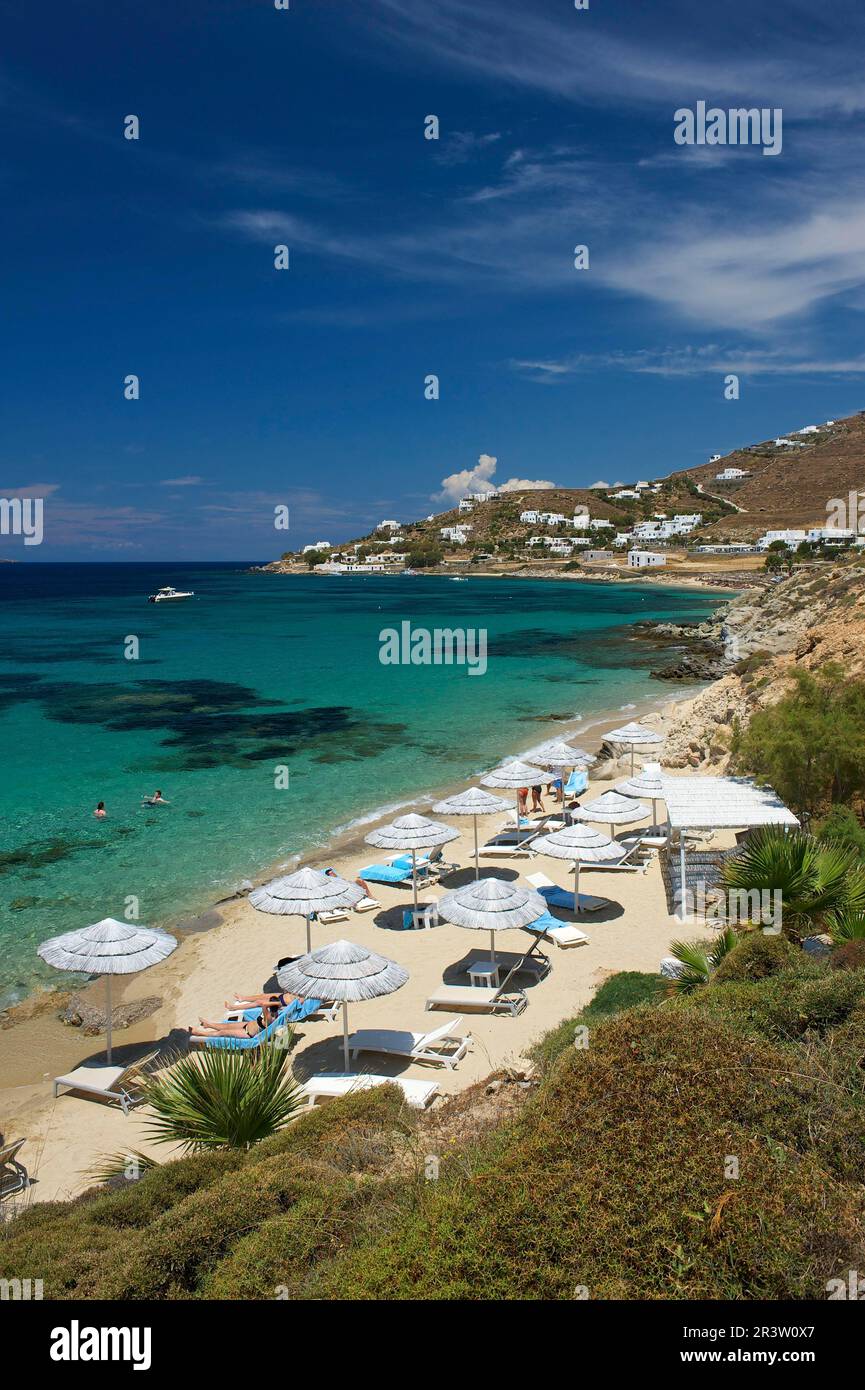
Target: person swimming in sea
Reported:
[(100, 813), (157, 799)]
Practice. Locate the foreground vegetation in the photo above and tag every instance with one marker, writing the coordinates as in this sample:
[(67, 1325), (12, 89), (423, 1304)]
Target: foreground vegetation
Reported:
[(613, 1179)]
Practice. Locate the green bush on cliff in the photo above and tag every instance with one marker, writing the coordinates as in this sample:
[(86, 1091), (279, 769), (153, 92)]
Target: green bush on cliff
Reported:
[(612, 1178)]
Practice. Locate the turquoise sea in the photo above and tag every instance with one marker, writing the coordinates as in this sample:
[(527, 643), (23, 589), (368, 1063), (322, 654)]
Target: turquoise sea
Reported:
[(259, 672)]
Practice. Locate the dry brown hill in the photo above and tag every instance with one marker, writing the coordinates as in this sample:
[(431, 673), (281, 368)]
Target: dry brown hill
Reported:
[(787, 487)]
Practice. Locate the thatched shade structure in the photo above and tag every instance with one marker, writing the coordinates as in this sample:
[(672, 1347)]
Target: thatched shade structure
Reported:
[(581, 845), (636, 736), (514, 775), (409, 834), (474, 803), (559, 755), (613, 809), (492, 904), (649, 783), (345, 974), (303, 893), (108, 948)]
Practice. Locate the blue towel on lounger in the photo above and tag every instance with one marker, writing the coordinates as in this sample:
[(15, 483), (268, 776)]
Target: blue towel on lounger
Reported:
[(382, 873), (558, 897), (542, 925)]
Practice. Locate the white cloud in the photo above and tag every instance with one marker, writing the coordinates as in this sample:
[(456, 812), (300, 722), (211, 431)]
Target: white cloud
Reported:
[(191, 480), (480, 479), (710, 359)]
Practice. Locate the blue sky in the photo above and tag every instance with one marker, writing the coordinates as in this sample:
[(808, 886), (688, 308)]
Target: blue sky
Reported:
[(408, 256)]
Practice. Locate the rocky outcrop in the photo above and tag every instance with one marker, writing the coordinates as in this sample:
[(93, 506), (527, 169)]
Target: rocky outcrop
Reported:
[(93, 1018), (814, 617)]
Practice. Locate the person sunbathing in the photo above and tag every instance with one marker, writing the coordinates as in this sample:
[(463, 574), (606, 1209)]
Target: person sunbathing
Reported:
[(244, 1028), (273, 1000)]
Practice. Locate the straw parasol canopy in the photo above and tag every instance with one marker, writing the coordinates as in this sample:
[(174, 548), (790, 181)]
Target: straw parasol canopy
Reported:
[(613, 809), (342, 973), (649, 783), (492, 904), (558, 755), (582, 845), (108, 948), (514, 774), (304, 893), (411, 833), (636, 735), (474, 803)]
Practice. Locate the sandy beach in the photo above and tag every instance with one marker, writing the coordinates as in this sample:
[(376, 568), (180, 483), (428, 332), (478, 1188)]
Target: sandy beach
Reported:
[(235, 947)]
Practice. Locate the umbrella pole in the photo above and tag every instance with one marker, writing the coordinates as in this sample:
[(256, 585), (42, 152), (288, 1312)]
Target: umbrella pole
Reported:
[(108, 1013), (492, 946), (576, 885), (517, 813), (345, 1034), (477, 864), (682, 874), (414, 883), (308, 936)]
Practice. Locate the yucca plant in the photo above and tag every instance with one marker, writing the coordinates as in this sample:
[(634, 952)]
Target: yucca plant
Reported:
[(817, 881), (222, 1098), (700, 959)]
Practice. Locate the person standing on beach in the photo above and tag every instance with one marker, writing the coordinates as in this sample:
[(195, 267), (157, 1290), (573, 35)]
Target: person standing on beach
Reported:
[(537, 804), (522, 800)]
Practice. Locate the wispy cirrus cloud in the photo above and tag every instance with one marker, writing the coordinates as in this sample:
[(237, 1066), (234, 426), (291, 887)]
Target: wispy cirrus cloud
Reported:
[(705, 360)]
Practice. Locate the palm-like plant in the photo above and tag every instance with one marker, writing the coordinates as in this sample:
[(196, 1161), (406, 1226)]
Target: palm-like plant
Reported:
[(222, 1098), (700, 959), (816, 880), (846, 926)]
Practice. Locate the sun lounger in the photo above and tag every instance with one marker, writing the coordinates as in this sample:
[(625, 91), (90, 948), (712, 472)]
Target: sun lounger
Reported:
[(13, 1174), (339, 914), (283, 1020), (576, 784), (114, 1083), (549, 928), (473, 999), (384, 873), (367, 905), (296, 1012), (635, 861), (331, 1086), (443, 1045), (511, 844), (555, 896)]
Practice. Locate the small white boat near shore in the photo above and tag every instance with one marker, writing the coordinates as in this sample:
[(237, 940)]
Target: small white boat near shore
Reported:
[(168, 594)]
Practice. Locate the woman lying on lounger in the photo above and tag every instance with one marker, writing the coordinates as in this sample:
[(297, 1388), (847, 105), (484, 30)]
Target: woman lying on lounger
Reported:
[(274, 1000), (245, 1028)]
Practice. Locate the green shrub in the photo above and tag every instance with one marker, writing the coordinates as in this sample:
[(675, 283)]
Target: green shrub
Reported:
[(843, 827), (755, 958), (623, 990)]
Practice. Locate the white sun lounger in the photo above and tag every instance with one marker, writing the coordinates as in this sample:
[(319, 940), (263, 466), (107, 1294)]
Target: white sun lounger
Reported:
[(367, 905), (474, 999), (113, 1083), (330, 1086), (563, 935), (634, 862), (587, 902), (339, 914), (505, 851), (443, 1045)]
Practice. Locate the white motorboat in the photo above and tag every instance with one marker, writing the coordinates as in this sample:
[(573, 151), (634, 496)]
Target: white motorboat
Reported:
[(168, 594)]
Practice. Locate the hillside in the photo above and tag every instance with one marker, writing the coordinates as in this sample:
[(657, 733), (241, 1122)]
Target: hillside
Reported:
[(788, 486), (605, 1181)]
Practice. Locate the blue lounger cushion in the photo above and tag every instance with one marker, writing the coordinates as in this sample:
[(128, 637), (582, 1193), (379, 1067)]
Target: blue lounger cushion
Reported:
[(542, 924), (383, 873), (557, 897)]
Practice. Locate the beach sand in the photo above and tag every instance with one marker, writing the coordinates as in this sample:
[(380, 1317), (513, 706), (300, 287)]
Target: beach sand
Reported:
[(68, 1136)]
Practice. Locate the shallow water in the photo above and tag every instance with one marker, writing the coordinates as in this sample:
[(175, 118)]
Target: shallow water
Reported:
[(258, 673)]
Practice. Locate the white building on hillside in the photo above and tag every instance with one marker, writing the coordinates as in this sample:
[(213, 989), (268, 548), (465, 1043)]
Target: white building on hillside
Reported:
[(645, 559), (790, 538), (317, 545), (458, 534), (388, 526), (727, 475)]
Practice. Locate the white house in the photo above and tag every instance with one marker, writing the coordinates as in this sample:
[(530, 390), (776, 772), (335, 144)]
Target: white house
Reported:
[(830, 535), (790, 539), (788, 443), (458, 534), (600, 524), (626, 492), (808, 429), (388, 526), (645, 559), (598, 556), (713, 458), (559, 545), (317, 545), (727, 475), (531, 518)]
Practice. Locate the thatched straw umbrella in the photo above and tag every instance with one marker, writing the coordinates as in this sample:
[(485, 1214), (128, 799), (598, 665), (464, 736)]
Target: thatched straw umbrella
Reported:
[(581, 845), (559, 755), (636, 736), (474, 803), (412, 833), (108, 948), (345, 974), (649, 782), (492, 904), (514, 775), (612, 809), (303, 893)]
